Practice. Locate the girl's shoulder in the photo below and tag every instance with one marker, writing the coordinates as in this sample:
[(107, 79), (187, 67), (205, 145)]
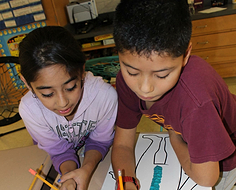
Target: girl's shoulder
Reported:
[(96, 85), (31, 104), (29, 99)]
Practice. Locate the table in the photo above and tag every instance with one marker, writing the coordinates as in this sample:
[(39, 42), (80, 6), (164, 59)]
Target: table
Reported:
[(15, 164)]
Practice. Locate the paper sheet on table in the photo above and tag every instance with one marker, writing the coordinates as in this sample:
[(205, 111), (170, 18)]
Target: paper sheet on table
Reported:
[(212, 10), (152, 150)]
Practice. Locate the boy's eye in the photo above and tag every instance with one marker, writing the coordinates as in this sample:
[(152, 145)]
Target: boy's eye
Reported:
[(162, 77), (47, 95), (132, 74), (71, 89)]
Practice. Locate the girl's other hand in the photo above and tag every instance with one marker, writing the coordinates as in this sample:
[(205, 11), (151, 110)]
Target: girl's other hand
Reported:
[(75, 180), (69, 184)]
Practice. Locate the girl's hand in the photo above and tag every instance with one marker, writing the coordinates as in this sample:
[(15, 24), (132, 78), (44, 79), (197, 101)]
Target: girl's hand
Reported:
[(69, 184), (80, 177)]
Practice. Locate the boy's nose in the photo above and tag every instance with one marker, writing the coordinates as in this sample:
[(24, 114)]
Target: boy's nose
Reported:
[(146, 86)]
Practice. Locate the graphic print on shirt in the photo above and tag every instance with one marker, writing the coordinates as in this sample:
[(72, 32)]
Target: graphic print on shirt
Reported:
[(159, 119), (76, 132)]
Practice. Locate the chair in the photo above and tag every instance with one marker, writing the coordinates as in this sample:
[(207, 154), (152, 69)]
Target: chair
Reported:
[(11, 91)]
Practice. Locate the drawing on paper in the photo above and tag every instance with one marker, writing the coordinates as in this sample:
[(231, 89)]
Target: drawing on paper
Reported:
[(155, 150)]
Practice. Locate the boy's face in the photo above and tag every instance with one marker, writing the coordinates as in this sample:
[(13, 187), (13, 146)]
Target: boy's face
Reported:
[(150, 78)]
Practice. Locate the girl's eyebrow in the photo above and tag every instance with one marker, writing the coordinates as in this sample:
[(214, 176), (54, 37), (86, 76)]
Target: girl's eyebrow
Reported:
[(48, 87), (161, 70), (73, 78)]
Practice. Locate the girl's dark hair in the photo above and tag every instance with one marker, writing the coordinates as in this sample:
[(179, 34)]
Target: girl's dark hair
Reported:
[(144, 26), (47, 46)]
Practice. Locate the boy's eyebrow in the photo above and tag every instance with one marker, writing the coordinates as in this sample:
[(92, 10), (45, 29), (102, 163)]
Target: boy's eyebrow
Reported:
[(48, 87), (127, 65), (161, 70)]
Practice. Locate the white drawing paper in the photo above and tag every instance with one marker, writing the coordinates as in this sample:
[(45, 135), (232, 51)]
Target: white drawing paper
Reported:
[(152, 150)]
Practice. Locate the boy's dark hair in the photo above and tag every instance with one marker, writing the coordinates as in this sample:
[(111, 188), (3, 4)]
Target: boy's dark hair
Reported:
[(47, 46), (144, 26)]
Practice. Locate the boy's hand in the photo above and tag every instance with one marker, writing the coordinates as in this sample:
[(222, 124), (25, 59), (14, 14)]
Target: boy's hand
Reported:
[(79, 177), (129, 186)]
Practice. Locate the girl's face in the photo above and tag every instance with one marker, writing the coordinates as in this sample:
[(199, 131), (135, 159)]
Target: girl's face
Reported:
[(150, 78), (57, 91)]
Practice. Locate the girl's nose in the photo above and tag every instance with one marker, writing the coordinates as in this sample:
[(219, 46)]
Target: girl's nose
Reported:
[(62, 100)]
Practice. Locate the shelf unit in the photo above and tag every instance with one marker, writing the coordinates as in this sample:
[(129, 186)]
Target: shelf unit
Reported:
[(213, 39), (98, 47)]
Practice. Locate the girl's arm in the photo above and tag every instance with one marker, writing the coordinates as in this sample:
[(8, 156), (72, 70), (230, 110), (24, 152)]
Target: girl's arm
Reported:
[(82, 176), (204, 174), (59, 149)]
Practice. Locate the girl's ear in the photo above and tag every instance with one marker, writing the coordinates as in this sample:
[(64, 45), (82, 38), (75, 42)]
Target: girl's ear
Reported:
[(24, 81), (187, 54)]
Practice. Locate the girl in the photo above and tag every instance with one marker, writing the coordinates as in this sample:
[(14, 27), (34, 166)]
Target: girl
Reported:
[(66, 107)]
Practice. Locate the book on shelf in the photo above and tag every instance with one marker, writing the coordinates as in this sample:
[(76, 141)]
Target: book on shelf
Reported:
[(92, 44), (108, 41), (103, 37)]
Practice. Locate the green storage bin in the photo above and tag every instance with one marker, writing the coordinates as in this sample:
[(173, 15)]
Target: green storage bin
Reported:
[(106, 67)]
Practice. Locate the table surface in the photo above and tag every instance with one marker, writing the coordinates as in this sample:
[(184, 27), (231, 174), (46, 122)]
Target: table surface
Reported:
[(15, 164)]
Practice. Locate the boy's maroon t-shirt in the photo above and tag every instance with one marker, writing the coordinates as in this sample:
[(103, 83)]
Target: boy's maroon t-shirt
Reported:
[(200, 107)]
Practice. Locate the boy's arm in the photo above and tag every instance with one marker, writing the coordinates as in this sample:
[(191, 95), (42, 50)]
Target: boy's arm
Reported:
[(204, 174), (123, 154)]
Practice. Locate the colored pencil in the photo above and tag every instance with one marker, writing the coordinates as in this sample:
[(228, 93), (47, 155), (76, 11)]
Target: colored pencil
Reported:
[(35, 177), (120, 180), (42, 179)]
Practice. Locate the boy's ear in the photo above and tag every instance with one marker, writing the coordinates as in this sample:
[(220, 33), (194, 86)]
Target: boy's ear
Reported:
[(24, 81), (187, 54)]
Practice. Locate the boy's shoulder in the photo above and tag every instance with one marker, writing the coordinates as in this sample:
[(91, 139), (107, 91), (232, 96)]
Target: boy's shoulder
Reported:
[(200, 81), (198, 71), (199, 66)]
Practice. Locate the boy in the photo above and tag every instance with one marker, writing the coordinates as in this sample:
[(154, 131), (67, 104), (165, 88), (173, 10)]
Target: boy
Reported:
[(183, 93)]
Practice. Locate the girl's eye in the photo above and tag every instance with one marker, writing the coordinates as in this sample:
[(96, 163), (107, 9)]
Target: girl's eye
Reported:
[(71, 89), (132, 74), (47, 95), (162, 77)]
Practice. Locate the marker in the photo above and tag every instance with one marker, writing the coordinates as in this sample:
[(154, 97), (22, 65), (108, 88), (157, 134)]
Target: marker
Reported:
[(42, 179), (120, 180)]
